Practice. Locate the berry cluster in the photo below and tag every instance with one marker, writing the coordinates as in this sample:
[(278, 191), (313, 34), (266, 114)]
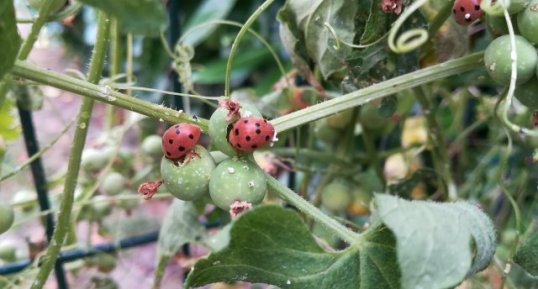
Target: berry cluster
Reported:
[(497, 57), (189, 172)]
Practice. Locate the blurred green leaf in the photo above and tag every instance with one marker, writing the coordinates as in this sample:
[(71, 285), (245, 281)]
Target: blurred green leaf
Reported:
[(378, 23), (180, 226), (527, 254), (272, 245), (244, 63), (9, 38), (9, 130), (146, 17), (305, 34), (208, 11), (433, 240)]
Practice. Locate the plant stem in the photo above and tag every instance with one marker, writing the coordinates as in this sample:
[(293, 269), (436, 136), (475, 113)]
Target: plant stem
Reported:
[(83, 119), (115, 60), (310, 210), (237, 40), (104, 94), (438, 143), (377, 91)]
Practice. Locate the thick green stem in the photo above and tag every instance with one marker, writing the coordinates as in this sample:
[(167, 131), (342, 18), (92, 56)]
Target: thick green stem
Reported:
[(115, 61), (104, 94), (83, 119), (42, 17), (236, 42), (377, 91), (310, 210), (438, 143)]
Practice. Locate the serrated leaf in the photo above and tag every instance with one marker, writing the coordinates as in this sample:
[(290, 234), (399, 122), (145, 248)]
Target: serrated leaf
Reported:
[(305, 35), (9, 38), (272, 245), (180, 226), (434, 240), (146, 17), (208, 11), (527, 254)]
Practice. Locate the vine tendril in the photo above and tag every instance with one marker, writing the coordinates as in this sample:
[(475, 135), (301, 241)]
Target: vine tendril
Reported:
[(411, 39)]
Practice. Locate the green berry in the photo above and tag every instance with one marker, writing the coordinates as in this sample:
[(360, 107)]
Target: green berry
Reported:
[(128, 203), (25, 199), (370, 118), (8, 251), (152, 146), (496, 25), (340, 119), (527, 21), (113, 183), (499, 64), (94, 159), (237, 180), (7, 216), (324, 132), (188, 181), (218, 127), (494, 8), (336, 196), (100, 207), (527, 93)]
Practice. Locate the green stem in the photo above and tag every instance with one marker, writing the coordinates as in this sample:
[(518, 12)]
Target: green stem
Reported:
[(236, 42), (371, 150), (41, 19), (104, 94), (438, 143), (158, 274), (115, 60), (83, 119), (377, 91), (310, 210)]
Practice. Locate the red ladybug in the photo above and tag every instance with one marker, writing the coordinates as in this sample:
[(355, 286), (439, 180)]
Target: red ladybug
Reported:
[(466, 11), (250, 133), (180, 139)]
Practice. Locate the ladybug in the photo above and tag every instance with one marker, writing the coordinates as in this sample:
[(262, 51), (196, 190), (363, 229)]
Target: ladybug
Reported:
[(466, 11), (250, 133), (535, 119), (179, 139)]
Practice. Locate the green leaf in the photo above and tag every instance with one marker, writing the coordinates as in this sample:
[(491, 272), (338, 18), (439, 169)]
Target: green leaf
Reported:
[(272, 245), (434, 240), (527, 254), (9, 38), (214, 72), (208, 11), (305, 35), (180, 226), (146, 17), (377, 25), (9, 129)]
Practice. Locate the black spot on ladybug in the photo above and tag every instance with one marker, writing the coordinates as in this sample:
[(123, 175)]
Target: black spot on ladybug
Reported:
[(267, 138), (177, 131), (245, 121), (170, 141), (177, 126), (168, 153), (265, 121), (248, 138), (181, 148), (462, 9), (258, 131), (236, 131), (468, 19), (257, 124), (254, 146), (454, 11), (239, 145), (477, 7), (191, 136)]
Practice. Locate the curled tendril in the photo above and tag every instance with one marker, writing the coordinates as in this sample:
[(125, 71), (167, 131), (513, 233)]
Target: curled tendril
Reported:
[(513, 77), (338, 41), (411, 39)]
